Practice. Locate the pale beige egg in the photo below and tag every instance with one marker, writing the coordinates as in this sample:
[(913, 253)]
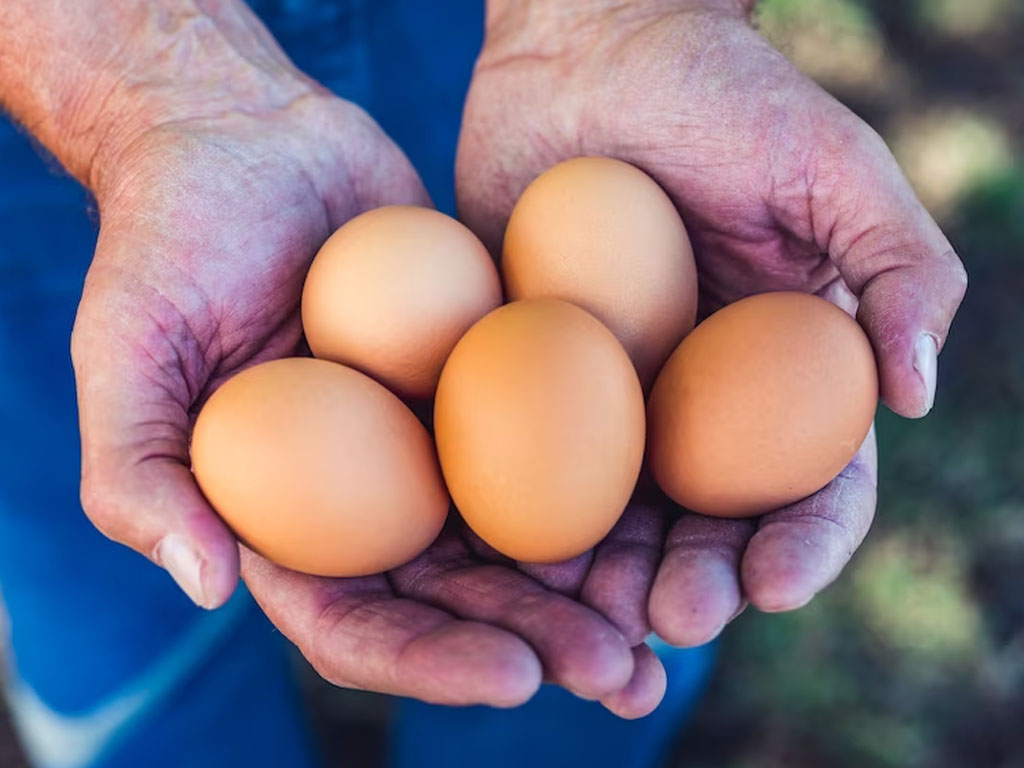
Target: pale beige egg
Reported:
[(391, 292)]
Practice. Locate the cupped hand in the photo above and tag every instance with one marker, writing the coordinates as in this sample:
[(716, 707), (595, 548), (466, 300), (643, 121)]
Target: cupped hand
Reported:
[(208, 226), (781, 187)]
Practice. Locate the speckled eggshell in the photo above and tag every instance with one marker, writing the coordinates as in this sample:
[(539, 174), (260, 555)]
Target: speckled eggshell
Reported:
[(539, 422), (602, 234), (763, 404), (319, 468), (391, 292)]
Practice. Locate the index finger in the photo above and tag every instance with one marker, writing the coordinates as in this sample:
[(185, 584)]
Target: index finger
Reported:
[(356, 633)]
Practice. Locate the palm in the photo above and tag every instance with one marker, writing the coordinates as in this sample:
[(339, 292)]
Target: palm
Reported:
[(244, 251), (737, 143), (752, 154), (205, 242), (749, 157)]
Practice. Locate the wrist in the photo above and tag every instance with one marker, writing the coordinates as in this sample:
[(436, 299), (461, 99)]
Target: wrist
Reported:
[(87, 101), (555, 12), (550, 27), (192, 64)]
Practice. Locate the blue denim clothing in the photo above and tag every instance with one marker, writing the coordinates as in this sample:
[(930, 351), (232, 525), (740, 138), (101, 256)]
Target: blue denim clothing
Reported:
[(110, 664)]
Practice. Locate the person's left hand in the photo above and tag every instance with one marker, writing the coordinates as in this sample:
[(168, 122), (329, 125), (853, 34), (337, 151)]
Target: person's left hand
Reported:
[(781, 187)]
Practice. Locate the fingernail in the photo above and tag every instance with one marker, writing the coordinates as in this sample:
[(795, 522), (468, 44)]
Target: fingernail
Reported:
[(926, 363), (717, 633), (180, 560), (736, 614)]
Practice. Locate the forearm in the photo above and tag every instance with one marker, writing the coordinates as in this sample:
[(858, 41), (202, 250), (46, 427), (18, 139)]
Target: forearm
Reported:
[(85, 76)]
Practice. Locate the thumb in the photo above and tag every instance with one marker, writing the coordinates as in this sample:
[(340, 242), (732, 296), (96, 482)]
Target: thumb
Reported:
[(892, 254), (137, 487)]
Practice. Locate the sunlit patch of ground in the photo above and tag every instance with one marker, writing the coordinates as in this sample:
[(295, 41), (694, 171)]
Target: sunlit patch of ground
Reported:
[(968, 18), (946, 154), (833, 41)]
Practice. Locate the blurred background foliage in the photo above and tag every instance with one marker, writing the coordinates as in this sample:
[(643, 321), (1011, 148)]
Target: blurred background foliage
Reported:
[(915, 658)]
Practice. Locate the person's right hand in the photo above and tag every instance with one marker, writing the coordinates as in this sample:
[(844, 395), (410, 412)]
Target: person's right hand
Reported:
[(208, 226)]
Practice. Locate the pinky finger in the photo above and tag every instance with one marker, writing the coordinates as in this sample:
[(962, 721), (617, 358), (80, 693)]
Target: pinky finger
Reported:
[(644, 691)]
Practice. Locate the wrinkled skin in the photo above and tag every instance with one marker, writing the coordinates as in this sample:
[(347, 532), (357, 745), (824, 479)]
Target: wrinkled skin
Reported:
[(208, 228), (781, 187)]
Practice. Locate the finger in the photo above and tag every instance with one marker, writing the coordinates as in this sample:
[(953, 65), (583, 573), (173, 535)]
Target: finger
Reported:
[(356, 633), (620, 577), (579, 649), (644, 691), (481, 549), (697, 589), (801, 549), (893, 255), (565, 578), (137, 487)]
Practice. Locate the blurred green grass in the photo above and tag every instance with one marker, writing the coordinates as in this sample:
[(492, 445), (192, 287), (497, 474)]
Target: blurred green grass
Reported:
[(915, 657)]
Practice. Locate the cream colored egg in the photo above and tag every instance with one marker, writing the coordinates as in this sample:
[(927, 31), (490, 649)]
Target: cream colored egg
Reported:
[(391, 292)]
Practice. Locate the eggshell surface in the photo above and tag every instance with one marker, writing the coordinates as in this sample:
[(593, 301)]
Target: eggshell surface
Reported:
[(319, 468), (539, 422), (600, 233), (763, 404), (391, 292)]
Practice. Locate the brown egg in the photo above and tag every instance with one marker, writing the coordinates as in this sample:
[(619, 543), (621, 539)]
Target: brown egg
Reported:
[(602, 234), (763, 404), (391, 292), (319, 468), (539, 421)]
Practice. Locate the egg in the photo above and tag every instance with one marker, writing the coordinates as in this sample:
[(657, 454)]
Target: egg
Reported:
[(539, 422), (602, 234), (318, 468), (391, 292), (764, 403)]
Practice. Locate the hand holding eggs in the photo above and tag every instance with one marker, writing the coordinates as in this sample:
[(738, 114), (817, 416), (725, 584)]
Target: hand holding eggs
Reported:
[(539, 415), (312, 463)]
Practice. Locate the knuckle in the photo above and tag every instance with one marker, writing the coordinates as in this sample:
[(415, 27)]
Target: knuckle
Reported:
[(78, 345), (98, 505), (958, 279), (320, 646)]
